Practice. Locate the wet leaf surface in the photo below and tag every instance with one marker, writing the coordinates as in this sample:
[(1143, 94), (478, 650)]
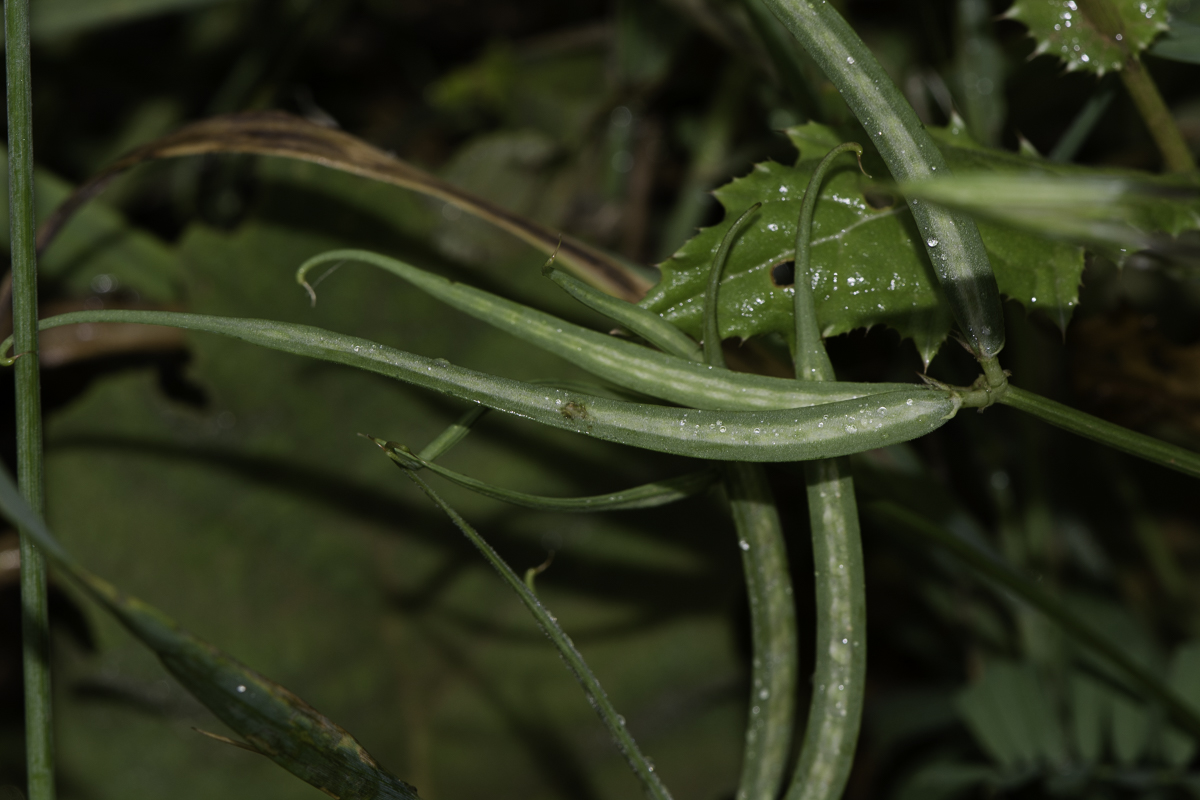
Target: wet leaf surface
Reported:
[(870, 267)]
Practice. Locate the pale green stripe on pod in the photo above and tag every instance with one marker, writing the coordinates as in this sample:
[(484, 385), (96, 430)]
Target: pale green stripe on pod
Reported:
[(625, 364), (951, 238), (839, 675), (797, 434), (648, 495), (774, 671), (645, 323)]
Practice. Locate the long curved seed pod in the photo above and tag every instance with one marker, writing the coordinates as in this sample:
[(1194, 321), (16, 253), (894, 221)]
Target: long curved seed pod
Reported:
[(1141, 680), (623, 363), (647, 495), (951, 238), (839, 675), (768, 587), (797, 434), (812, 362), (272, 721), (773, 631), (645, 323), (615, 723), (712, 330)]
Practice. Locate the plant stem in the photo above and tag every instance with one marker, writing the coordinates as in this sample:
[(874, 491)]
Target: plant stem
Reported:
[(566, 648), (1150, 104), (1089, 427), (1141, 681), (35, 638)]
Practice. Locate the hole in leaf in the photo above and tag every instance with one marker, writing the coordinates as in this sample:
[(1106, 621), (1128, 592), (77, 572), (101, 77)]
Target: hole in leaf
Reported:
[(879, 199), (784, 273)]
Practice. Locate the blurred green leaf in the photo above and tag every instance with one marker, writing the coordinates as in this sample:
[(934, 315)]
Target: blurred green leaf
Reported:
[(1185, 680), (1181, 43), (1062, 29), (272, 721), (1009, 712), (54, 18), (1091, 714)]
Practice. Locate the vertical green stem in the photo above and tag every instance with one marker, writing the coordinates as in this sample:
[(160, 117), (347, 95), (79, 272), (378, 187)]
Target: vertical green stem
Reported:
[(839, 676), (768, 587), (1150, 104), (39, 744)]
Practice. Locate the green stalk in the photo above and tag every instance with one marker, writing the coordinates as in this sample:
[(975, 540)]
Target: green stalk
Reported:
[(1106, 433), (566, 648), (839, 676), (1150, 104), (768, 586), (35, 625)]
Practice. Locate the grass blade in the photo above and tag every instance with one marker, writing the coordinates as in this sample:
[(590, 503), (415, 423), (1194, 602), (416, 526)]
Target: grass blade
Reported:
[(1140, 680), (596, 695), (272, 720), (274, 133), (35, 610), (623, 363), (797, 434), (649, 495), (712, 330)]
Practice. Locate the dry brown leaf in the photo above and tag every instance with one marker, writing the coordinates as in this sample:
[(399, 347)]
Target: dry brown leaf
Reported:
[(275, 133)]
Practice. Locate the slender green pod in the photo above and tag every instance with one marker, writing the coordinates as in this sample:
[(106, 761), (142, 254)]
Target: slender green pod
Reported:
[(768, 587), (812, 362), (615, 723), (839, 676), (650, 326), (712, 330), (625, 364), (648, 495), (796, 434), (951, 238), (773, 631), (840, 671)]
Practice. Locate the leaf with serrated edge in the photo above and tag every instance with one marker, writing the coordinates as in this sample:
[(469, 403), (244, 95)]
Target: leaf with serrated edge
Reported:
[(869, 265), (1061, 29)]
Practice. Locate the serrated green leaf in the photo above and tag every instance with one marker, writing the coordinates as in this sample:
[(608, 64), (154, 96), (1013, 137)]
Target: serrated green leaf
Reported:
[(869, 264), (1062, 29)]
